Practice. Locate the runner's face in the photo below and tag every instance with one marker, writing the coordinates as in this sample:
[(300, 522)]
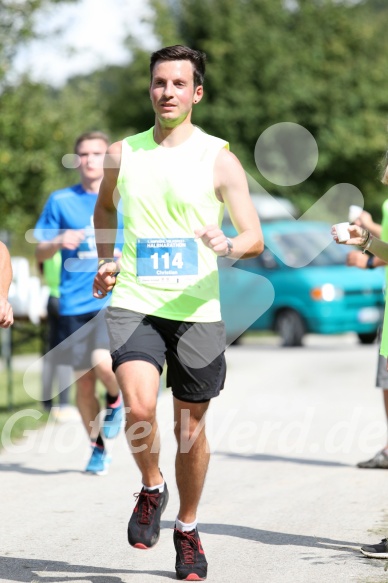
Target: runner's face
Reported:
[(91, 153), (172, 92)]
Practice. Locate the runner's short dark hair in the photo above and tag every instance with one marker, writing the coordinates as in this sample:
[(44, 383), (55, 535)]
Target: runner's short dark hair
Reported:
[(94, 135), (182, 53)]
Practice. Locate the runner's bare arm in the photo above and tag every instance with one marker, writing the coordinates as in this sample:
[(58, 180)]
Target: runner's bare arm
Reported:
[(6, 314), (105, 222), (232, 188), (363, 238), (105, 212)]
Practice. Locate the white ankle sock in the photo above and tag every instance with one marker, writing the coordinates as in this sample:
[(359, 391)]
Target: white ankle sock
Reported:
[(185, 526), (159, 487)]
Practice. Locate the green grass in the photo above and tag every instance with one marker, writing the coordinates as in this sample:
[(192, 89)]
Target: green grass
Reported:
[(19, 410), (27, 338), (14, 416)]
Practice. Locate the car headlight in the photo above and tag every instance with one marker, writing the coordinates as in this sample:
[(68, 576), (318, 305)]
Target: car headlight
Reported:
[(326, 293)]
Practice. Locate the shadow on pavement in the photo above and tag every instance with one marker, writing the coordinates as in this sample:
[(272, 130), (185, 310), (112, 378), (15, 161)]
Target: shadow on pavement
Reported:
[(262, 457), (19, 468), (27, 570), (269, 537), (34, 471)]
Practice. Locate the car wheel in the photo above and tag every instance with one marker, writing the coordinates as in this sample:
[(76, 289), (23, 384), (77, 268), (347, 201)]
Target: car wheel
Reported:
[(367, 338), (291, 328)]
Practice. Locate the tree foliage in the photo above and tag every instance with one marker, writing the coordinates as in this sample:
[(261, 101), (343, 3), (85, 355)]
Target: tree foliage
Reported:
[(17, 27), (318, 63), (321, 65), (38, 125)]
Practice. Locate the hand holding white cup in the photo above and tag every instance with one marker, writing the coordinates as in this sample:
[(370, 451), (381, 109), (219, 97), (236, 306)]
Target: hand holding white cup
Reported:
[(342, 231), (351, 235)]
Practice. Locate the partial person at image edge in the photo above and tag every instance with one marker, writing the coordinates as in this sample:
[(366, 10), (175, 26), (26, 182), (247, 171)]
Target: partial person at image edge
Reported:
[(364, 239), (6, 312), (366, 261)]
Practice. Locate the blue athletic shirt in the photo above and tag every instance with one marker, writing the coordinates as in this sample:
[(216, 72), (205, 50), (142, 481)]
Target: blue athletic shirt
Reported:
[(73, 208)]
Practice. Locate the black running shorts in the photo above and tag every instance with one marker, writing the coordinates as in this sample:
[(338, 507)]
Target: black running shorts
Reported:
[(193, 351)]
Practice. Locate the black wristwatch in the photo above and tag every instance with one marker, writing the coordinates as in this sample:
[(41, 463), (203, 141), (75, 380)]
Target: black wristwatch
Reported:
[(369, 263)]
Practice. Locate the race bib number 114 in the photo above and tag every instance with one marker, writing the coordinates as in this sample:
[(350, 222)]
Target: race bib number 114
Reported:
[(167, 260)]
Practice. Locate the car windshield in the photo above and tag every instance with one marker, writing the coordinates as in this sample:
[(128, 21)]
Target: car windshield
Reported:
[(296, 249)]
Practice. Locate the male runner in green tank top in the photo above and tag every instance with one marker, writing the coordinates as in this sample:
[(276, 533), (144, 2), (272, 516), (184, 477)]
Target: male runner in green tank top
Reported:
[(173, 181)]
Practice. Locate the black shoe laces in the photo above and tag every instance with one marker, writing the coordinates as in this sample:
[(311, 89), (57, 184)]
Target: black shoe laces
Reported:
[(188, 543), (148, 502)]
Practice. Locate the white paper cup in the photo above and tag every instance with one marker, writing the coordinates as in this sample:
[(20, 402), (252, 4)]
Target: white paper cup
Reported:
[(342, 232), (354, 212)]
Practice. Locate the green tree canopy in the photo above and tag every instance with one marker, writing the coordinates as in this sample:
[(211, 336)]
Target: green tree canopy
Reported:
[(318, 63), (17, 27), (38, 126)]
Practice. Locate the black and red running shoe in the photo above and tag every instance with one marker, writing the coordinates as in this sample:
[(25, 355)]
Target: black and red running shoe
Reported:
[(144, 524), (191, 564)]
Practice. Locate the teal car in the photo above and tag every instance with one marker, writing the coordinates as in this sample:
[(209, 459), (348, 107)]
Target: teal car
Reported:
[(300, 284)]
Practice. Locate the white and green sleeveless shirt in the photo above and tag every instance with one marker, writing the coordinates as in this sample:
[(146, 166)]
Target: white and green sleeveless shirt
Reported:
[(166, 194)]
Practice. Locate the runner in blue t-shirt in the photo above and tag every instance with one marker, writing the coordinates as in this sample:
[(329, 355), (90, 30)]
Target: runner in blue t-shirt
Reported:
[(66, 223)]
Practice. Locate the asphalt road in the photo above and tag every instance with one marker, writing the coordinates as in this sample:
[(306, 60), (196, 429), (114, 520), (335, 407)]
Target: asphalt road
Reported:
[(283, 500)]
